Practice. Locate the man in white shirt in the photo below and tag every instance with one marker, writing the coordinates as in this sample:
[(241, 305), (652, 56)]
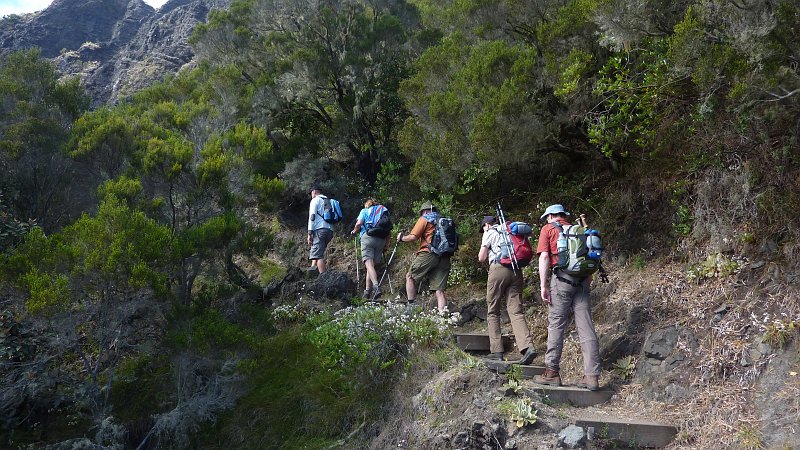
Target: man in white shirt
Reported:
[(320, 232)]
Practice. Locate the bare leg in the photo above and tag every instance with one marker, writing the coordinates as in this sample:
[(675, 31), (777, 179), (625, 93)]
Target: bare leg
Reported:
[(411, 288), (372, 275), (440, 300), (321, 266)]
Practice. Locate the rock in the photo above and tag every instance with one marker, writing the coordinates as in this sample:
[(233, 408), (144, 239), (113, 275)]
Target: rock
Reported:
[(334, 285), (675, 393), (660, 343), (572, 437)]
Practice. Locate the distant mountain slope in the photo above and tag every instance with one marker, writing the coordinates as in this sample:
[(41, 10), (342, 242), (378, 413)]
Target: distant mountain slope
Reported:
[(116, 46)]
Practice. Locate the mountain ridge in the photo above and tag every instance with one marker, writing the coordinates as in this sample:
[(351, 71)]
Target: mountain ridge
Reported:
[(116, 47)]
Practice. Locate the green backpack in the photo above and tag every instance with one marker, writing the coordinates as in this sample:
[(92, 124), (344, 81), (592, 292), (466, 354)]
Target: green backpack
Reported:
[(573, 252)]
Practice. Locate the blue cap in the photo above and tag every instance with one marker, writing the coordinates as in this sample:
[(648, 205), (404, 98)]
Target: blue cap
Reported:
[(553, 209)]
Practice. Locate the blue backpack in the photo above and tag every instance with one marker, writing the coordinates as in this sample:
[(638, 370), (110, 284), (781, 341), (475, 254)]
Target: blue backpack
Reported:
[(379, 224), (331, 210)]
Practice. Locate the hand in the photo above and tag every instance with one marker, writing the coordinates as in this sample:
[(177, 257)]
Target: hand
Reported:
[(353, 232), (309, 239), (546, 295), (400, 236)]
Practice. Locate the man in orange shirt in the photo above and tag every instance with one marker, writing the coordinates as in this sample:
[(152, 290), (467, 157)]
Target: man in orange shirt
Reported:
[(566, 296), (425, 263)]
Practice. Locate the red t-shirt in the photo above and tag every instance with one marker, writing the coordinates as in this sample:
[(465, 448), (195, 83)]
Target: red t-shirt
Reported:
[(548, 238)]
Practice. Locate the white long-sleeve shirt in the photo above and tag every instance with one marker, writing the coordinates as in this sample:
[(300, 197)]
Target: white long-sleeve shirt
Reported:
[(315, 221)]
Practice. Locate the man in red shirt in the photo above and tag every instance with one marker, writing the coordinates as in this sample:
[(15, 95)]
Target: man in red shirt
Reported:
[(566, 296), (425, 263)]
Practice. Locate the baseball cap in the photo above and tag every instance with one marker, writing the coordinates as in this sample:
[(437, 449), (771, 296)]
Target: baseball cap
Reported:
[(487, 219)]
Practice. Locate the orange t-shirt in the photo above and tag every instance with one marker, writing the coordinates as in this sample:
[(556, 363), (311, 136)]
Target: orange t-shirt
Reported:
[(548, 238), (424, 231)]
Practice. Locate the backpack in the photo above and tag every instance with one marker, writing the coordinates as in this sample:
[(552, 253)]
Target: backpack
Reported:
[(331, 210), (579, 250), (378, 223), (517, 234), (444, 241)]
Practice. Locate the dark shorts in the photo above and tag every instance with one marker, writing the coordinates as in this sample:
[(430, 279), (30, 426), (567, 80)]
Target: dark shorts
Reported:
[(435, 268), (319, 242)]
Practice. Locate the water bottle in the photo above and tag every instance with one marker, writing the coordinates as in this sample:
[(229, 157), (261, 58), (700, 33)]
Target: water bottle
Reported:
[(594, 244), (563, 250)]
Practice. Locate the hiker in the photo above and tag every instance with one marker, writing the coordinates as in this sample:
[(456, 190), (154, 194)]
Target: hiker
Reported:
[(565, 296), (320, 232), (372, 247), (426, 264), (505, 283)]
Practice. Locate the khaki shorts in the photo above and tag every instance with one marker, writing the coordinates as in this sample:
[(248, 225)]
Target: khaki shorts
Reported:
[(433, 267), (319, 242), (372, 248)]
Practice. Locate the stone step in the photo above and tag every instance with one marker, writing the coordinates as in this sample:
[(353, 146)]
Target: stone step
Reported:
[(572, 395), (479, 342), (634, 433), (503, 366)]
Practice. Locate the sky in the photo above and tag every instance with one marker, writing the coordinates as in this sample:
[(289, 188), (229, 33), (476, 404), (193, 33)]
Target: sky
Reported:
[(27, 6)]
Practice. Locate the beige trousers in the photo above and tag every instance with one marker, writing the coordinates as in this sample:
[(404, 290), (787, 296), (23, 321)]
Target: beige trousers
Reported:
[(502, 283)]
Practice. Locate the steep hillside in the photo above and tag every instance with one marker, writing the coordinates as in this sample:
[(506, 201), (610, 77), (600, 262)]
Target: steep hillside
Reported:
[(117, 47)]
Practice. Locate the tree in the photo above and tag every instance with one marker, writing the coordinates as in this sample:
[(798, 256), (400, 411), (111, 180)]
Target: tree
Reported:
[(324, 75), (36, 115)]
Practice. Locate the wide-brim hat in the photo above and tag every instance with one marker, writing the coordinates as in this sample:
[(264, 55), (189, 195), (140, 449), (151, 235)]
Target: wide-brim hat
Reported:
[(553, 209), (488, 219), (427, 205)]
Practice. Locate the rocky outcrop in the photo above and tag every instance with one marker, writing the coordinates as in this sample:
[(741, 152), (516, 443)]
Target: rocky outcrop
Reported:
[(116, 46)]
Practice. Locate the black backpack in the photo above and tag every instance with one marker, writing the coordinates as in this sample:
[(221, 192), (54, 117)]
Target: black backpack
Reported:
[(444, 241), (379, 224)]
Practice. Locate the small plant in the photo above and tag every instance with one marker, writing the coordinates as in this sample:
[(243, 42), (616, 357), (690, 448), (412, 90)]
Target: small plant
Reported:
[(514, 385), (638, 262), (471, 362), (779, 332), (625, 367), (716, 265), (514, 373), (749, 438), (520, 411)]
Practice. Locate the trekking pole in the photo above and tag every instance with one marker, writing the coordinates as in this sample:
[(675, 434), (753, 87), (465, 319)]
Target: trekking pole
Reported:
[(506, 240), (386, 270), (355, 247)]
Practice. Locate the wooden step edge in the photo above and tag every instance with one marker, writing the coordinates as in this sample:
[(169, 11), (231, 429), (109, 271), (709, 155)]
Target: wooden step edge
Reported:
[(528, 371), (572, 395), (634, 432), (479, 342)]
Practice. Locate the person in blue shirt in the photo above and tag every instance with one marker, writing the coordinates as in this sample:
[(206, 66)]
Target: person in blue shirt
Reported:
[(320, 232), (372, 247)]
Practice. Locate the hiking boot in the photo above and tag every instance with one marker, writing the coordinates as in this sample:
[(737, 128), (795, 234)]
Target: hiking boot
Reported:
[(376, 292), (527, 356), (590, 382), (367, 294), (496, 356), (549, 377)]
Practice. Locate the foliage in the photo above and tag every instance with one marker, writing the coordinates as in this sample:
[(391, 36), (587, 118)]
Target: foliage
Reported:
[(625, 367), (519, 410), (780, 332), (374, 337), (36, 115), (715, 265)]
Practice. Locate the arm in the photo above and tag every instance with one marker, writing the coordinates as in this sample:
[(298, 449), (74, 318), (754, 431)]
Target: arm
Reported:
[(483, 254), (312, 212), (544, 276), (406, 237), (357, 227)]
